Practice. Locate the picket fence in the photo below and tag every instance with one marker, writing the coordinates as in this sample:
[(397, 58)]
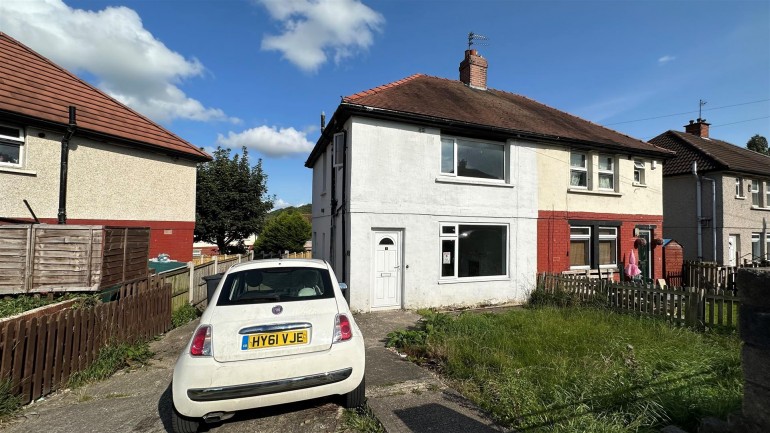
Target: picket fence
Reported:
[(686, 305), (39, 353)]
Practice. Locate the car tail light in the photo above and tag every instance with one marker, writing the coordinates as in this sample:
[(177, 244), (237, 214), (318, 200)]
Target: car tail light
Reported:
[(343, 331), (201, 342)]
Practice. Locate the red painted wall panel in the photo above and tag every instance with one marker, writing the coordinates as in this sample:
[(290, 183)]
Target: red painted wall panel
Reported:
[(553, 238)]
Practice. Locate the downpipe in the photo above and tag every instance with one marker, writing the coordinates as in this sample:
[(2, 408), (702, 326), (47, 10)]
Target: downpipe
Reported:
[(65, 147), (698, 214)]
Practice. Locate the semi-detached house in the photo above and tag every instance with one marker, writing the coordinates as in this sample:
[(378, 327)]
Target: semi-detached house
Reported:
[(434, 192), (122, 168)]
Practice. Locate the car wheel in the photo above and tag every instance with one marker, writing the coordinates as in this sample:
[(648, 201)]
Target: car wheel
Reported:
[(357, 397), (183, 424)]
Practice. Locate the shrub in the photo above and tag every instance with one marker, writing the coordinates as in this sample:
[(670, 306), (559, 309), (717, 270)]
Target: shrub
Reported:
[(183, 315)]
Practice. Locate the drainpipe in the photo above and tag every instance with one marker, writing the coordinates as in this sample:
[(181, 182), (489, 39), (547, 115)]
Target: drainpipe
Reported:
[(344, 208), (65, 146), (713, 217), (698, 215)]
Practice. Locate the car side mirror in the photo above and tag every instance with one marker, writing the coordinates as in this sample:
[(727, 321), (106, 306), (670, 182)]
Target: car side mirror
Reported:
[(343, 286)]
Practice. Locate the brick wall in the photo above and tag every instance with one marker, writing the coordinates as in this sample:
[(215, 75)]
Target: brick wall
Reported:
[(553, 232)]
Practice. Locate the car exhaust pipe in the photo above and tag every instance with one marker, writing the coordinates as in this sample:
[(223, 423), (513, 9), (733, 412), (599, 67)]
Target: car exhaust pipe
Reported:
[(215, 417)]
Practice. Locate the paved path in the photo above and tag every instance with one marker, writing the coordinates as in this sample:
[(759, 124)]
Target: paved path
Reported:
[(405, 397)]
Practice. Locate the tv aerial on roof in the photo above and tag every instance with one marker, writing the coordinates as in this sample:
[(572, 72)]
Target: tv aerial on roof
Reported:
[(474, 38)]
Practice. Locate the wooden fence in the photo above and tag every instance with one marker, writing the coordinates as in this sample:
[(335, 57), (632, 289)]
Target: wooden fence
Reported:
[(182, 279), (39, 354), (687, 305)]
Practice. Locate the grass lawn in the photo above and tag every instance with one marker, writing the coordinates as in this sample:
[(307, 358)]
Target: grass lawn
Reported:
[(581, 369)]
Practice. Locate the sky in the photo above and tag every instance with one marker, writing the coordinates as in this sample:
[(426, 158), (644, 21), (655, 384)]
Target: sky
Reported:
[(258, 73)]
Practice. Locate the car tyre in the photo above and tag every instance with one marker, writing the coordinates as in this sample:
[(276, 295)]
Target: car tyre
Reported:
[(183, 424), (357, 397)]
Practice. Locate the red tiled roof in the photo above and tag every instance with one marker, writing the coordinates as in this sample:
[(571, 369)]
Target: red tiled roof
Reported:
[(710, 154), (33, 86), (452, 100)]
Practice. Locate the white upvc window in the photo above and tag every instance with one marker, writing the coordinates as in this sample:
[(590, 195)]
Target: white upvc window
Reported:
[(580, 248), (756, 254), (754, 188), (474, 159), (607, 172), (578, 173), (639, 171), (608, 247), (767, 194), (473, 250), (11, 145), (339, 149), (738, 187)]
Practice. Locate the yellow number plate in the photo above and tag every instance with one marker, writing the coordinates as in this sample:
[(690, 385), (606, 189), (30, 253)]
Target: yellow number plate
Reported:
[(274, 339)]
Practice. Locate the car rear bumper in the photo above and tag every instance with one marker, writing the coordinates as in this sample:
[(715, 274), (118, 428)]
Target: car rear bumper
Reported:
[(269, 387), (203, 386)]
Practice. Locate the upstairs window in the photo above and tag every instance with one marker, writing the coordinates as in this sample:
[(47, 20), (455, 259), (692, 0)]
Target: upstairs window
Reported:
[(475, 159), (754, 188), (339, 149), (739, 187), (606, 172), (578, 163), (11, 145), (639, 171), (767, 195)]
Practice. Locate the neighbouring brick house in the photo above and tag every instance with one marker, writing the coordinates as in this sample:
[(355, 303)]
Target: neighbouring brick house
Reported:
[(434, 192), (716, 197), (123, 169)]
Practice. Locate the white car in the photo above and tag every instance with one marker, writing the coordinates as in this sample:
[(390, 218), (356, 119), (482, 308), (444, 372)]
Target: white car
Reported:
[(274, 332)]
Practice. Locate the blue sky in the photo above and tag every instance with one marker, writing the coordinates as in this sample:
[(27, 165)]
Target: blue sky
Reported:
[(258, 73)]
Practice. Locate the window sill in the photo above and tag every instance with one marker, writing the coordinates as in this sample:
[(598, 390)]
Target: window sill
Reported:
[(639, 185), (475, 279), (467, 181), (766, 209), (740, 197), (17, 171), (592, 192)]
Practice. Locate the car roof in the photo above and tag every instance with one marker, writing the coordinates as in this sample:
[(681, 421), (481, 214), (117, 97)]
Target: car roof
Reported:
[(275, 263)]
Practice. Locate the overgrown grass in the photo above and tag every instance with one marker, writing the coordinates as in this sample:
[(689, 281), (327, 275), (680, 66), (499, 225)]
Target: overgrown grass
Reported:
[(12, 305), (183, 315), (9, 403), (362, 420), (111, 359), (581, 369)]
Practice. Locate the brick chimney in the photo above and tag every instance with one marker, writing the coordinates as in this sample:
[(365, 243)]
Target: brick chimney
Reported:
[(473, 70), (699, 128)]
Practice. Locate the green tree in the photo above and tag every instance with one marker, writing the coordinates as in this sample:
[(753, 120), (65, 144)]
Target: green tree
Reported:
[(231, 200), (287, 231), (758, 143)]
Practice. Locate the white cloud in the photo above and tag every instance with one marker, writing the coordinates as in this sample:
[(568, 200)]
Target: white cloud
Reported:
[(271, 141), (316, 29), (665, 59), (280, 204), (112, 44)]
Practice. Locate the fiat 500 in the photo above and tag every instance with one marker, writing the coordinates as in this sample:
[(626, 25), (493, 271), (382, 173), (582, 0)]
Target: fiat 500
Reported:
[(274, 332)]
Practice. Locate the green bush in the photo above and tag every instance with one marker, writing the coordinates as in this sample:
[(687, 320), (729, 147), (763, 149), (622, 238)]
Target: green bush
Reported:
[(184, 315)]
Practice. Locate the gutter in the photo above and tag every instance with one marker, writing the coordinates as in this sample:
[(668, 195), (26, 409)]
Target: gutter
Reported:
[(65, 147)]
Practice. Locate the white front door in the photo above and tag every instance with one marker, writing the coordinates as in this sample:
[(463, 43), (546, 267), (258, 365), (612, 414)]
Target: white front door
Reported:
[(732, 248), (386, 291)]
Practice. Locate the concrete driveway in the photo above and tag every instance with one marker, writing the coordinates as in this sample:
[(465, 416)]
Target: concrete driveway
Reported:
[(140, 401)]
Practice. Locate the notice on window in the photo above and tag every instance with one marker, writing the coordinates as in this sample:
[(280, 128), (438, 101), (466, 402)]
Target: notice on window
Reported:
[(447, 258)]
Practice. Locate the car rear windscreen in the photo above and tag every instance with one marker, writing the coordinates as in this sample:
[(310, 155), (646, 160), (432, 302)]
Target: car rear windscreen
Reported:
[(284, 284)]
